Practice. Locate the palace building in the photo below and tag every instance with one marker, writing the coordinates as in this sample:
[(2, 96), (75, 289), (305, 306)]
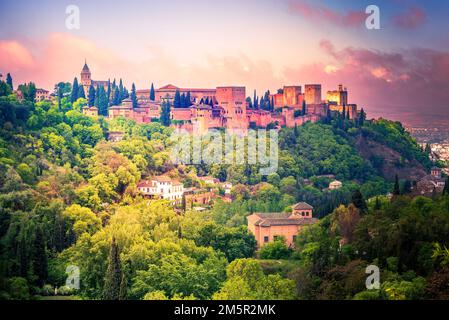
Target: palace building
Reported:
[(227, 107)]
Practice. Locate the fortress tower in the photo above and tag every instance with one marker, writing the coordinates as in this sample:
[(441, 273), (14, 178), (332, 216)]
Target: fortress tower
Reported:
[(233, 102), (339, 97), (312, 93)]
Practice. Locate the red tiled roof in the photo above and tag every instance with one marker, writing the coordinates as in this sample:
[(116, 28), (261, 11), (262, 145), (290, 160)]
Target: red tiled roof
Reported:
[(302, 206), (144, 184), (162, 179), (285, 222)]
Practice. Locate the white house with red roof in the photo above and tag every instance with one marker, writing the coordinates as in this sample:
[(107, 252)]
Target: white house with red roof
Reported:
[(162, 187)]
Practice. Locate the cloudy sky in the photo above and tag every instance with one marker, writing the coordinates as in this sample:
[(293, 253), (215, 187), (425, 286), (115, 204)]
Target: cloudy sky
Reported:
[(400, 71)]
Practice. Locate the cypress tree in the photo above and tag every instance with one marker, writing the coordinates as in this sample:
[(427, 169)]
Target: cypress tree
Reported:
[(177, 100), (120, 88), (358, 201), (183, 100), (133, 96), (22, 254), (123, 294), (344, 112), (109, 90), (112, 284), (446, 187), (9, 81), (125, 93), (91, 96), (377, 204), (255, 100), (188, 99), (116, 100), (362, 117), (97, 96), (428, 149), (407, 187), (152, 94), (396, 189), (165, 113), (304, 109), (81, 92), (39, 259), (103, 103), (249, 102), (74, 95), (184, 203)]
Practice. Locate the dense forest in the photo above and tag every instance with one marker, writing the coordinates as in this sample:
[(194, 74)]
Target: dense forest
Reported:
[(68, 198)]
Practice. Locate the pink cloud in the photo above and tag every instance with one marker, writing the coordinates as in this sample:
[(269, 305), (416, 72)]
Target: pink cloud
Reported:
[(60, 57), (411, 19), (16, 54), (410, 85), (320, 14)]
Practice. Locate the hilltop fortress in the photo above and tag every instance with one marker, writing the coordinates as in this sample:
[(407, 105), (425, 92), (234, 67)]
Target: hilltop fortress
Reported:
[(227, 107)]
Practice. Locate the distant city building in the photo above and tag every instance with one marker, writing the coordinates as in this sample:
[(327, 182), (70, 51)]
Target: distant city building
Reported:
[(430, 184), (209, 180), (267, 227), (162, 187), (115, 136), (334, 185), (227, 186), (42, 94), (90, 111)]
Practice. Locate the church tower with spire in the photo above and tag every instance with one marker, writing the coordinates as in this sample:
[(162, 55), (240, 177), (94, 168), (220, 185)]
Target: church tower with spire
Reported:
[(86, 80)]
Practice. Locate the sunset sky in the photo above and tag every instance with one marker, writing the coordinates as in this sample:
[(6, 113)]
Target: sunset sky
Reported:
[(399, 72)]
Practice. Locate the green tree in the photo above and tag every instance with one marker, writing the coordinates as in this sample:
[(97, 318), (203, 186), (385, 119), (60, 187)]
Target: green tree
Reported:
[(113, 280), (103, 102), (152, 93), (134, 96), (275, 250), (246, 281), (75, 89), (5, 90), (28, 91), (396, 188), (359, 201), (446, 187), (91, 99), (177, 100), (188, 100), (165, 114), (81, 93), (9, 81), (39, 260), (121, 90), (116, 100)]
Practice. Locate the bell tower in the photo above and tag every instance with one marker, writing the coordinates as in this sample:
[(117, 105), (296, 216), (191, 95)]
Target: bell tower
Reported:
[(85, 76)]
